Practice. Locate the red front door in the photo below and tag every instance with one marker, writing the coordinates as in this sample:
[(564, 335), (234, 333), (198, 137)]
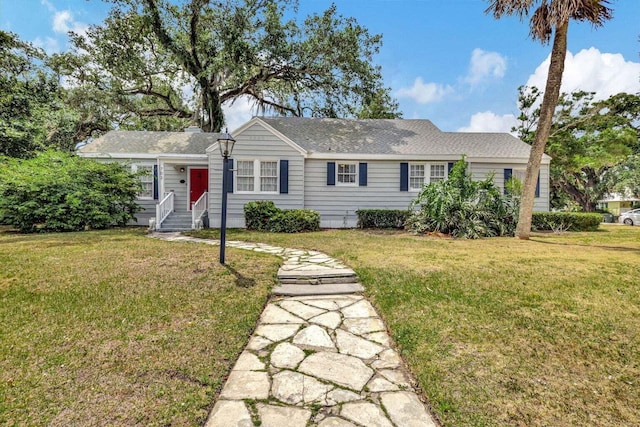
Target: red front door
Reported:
[(198, 184)]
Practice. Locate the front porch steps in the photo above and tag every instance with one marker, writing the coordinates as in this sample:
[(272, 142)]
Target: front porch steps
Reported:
[(176, 221)]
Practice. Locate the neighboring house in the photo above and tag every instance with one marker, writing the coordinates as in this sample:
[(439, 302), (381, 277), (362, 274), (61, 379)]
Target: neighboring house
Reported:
[(333, 166), (618, 203)]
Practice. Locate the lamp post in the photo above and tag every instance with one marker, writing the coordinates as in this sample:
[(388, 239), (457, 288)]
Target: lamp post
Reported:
[(225, 143)]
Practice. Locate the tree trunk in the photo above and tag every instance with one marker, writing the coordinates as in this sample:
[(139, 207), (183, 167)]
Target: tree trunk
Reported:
[(547, 109), (212, 109)]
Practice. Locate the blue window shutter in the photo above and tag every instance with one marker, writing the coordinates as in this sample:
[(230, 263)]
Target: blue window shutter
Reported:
[(538, 186), (230, 177), (362, 174), (155, 182), (284, 176), (449, 167), (507, 177), (404, 176), (331, 173)]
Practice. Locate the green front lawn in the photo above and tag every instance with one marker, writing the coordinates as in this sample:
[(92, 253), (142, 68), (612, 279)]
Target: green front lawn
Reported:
[(506, 332), (114, 328)]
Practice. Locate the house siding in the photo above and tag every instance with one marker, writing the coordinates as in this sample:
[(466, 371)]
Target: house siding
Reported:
[(253, 143), (480, 171), (337, 204)]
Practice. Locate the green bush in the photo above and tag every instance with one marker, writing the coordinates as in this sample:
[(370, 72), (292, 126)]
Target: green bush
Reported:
[(565, 221), (464, 208), (257, 214), (382, 218), (264, 215), (57, 191), (295, 221)]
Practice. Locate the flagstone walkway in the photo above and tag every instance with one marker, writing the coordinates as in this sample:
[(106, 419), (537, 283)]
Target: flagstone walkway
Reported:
[(321, 360)]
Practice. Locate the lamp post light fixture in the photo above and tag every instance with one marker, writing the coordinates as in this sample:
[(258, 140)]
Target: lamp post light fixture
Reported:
[(225, 143)]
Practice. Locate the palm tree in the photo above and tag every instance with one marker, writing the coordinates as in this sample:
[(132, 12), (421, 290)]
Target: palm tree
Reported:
[(547, 16)]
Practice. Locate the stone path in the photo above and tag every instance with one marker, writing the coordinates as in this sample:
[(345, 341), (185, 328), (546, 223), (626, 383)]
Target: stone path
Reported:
[(323, 360)]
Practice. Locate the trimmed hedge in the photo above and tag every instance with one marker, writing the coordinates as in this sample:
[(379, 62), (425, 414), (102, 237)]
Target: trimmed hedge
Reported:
[(565, 221), (264, 215), (382, 218)]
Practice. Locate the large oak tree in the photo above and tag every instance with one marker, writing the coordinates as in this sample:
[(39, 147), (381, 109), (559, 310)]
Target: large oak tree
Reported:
[(186, 59), (549, 20)]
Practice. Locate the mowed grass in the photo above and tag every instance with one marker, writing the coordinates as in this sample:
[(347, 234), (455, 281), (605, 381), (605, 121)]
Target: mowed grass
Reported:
[(114, 328), (503, 332)]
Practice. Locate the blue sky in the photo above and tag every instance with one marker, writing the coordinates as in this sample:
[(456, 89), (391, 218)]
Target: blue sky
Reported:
[(445, 60)]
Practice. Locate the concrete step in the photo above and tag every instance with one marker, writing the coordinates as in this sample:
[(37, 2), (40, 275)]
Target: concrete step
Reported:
[(318, 280), (331, 289), (172, 229), (316, 274)]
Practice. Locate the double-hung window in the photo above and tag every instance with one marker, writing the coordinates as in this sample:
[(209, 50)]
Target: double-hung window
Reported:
[(269, 176), (416, 176), (347, 174), (257, 176), (438, 172), (146, 180)]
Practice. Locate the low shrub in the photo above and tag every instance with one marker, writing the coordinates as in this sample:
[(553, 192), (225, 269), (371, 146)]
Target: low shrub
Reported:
[(382, 218), (264, 215), (565, 221), (257, 214), (295, 221)]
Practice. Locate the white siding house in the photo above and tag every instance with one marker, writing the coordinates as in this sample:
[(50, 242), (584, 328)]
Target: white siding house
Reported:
[(333, 166)]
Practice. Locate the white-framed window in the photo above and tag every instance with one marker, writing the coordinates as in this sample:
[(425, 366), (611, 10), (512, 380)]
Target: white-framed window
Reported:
[(256, 176), (244, 176), (438, 172), (146, 180), (269, 176), (416, 176), (347, 174)]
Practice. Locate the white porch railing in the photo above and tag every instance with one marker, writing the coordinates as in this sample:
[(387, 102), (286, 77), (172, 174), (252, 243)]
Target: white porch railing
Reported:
[(198, 208), (164, 208)]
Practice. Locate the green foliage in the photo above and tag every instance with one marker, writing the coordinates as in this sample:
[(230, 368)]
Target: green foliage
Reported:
[(263, 215), (148, 50), (257, 214), (566, 221), (56, 191), (588, 138), (382, 218), (464, 208)]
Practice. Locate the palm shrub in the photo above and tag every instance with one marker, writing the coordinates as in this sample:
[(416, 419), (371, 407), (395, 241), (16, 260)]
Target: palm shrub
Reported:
[(464, 208)]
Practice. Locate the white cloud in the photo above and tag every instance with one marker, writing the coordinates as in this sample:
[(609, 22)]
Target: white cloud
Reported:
[(49, 44), (61, 21), (488, 121), (238, 113), (593, 71), (424, 93), (484, 65)]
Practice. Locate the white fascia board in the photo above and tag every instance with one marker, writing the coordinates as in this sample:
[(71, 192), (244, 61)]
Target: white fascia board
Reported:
[(119, 155), (418, 157), (181, 157)]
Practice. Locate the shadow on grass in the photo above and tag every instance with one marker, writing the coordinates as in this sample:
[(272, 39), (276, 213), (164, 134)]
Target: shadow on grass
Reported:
[(241, 281), (609, 248)]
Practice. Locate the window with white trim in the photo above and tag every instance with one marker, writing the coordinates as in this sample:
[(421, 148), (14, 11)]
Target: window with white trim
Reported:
[(146, 180), (438, 172), (416, 176), (269, 176), (347, 174), (244, 176), (256, 176)]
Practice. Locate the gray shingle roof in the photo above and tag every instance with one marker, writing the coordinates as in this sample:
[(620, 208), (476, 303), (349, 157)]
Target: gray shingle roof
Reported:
[(150, 142), (403, 137)]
